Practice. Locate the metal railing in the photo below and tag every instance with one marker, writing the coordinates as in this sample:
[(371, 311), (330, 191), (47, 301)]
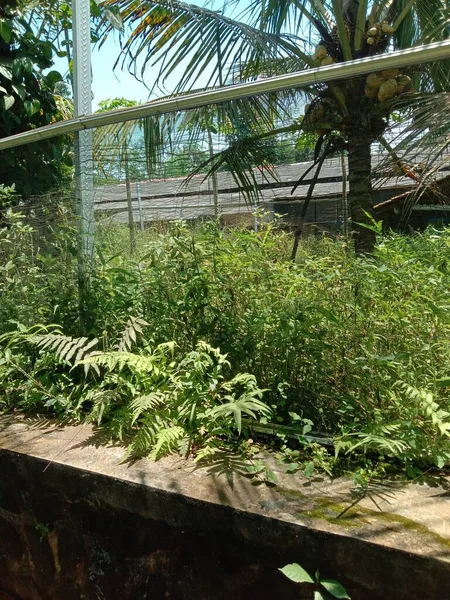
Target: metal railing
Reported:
[(402, 58)]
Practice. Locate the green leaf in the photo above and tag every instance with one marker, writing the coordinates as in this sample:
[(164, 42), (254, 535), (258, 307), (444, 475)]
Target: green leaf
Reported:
[(53, 77), (20, 91), (296, 573), (271, 477), (31, 107), (5, 30), (439, 461), (292, 467), (21, 65), (443, 382), (27, 64), (319, 596), (8, 102), (334, 588), (5, 72), (17, 67), (309, 469)]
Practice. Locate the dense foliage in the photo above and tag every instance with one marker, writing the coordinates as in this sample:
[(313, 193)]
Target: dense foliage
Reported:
[(27, 101), (357, 346)]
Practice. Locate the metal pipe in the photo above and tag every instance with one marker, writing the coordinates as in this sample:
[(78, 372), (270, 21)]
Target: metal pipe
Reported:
[(139, 202), (402, 58)]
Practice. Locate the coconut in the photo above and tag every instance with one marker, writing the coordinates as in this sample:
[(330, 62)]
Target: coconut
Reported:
[(390, 73), (375, 80), (386, 28), (327, 60), (370, 92), (373, 31), (371, 41), (387, 90), (320, 52), (404, 84)]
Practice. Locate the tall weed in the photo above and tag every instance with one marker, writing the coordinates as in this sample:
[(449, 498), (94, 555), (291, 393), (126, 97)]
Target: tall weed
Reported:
[(354, 344)]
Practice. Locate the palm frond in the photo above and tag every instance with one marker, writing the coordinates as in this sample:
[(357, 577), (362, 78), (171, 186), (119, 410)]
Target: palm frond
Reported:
[(260, 114), (170, 34), (246, 160)]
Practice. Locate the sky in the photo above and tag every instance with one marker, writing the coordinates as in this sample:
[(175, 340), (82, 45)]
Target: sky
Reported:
[(118, 83), (107, 83)]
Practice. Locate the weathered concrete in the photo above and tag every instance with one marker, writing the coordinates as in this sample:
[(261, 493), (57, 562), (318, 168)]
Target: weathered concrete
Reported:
[(74, 523)]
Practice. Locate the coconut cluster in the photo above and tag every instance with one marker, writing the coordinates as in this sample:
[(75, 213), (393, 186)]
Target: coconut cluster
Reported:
[(378, 34), (321, 56), (387, 84)]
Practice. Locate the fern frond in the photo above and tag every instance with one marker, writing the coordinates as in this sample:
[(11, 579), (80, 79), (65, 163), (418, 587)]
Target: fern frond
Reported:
[(101, 401), (167, 440), (246, 404), (141, 444), (429, 408), (140, 363), (147, 402), (65, 347), (130, 333)]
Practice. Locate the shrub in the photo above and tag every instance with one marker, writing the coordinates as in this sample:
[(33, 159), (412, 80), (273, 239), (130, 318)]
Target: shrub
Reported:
[(359, 346)]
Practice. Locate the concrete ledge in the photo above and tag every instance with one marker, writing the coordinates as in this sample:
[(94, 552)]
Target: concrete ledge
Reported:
[(76, 524)]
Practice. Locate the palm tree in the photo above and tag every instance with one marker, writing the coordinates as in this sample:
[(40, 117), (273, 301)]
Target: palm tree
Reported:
[(276, 36)]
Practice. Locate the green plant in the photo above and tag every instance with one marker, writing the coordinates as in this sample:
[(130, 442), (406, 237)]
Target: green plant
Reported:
[(353, 351), (43, 530), (152, 399), (7, 196), (27, 101), (324, 588)]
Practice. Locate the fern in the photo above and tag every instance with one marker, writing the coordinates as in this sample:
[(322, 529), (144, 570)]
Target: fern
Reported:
[(130, 333), (429, 409), (141, 443), (167, 441), (147, 402), (139, 363), (68, 350), (421, 430), (375, 439), (247, 404), (102, 399)]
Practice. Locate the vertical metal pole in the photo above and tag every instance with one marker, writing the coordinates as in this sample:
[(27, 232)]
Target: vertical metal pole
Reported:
[(215, 184), (82, 95), (129, 200), (344, 195), (139, 201)]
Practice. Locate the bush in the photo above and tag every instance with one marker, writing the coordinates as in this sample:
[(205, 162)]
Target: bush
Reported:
[(360, 346)]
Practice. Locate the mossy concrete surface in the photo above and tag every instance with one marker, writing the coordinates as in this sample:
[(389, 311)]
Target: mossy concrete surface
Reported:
[(74, 523)]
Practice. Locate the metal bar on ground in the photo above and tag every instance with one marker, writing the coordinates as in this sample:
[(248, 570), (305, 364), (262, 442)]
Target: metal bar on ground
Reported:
[(401, 58)]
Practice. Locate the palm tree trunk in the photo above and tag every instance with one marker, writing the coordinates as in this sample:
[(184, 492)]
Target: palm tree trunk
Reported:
[(360, 185)]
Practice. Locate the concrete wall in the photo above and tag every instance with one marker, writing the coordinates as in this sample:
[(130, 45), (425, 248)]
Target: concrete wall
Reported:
[(67, 533)]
